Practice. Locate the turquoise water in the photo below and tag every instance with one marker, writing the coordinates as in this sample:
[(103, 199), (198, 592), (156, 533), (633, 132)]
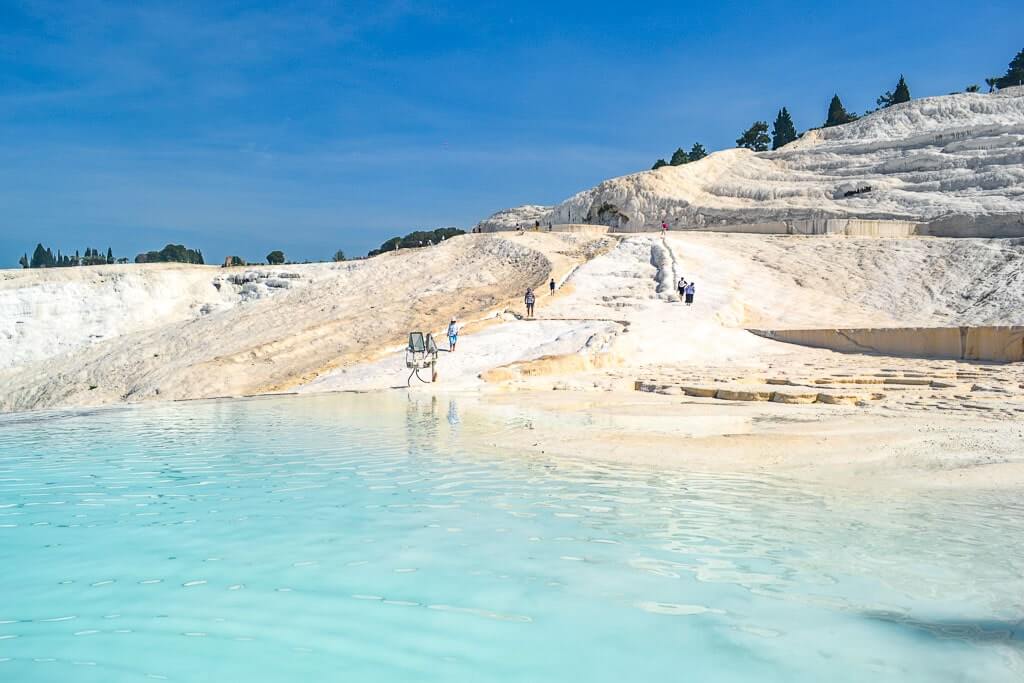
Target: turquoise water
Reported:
[(355, 538)]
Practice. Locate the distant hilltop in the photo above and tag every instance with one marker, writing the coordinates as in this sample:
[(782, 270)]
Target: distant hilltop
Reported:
[(944, 162)]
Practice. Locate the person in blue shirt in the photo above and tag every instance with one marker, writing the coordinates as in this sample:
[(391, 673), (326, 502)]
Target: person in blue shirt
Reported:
[(453, 334)]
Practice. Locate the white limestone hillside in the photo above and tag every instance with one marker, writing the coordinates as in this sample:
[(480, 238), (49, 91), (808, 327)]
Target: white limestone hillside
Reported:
[(44, 313), (956, 159), (89, 336), (169, 332), (510, 219)]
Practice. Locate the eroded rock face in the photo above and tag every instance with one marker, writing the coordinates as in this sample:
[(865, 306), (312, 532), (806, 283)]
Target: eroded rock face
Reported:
[(936, 159), (256, 284)]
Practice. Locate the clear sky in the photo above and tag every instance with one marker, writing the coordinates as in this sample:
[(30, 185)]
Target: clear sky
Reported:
[(314, 126)]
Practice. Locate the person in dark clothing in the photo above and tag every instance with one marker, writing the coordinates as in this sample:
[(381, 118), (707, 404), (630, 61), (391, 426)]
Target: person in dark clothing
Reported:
[(551, 285), (530, 299), (690, 290)]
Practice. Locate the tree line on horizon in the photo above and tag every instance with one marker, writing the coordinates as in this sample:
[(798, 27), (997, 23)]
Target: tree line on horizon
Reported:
[(415, 239), (756, 137), (43, 257)]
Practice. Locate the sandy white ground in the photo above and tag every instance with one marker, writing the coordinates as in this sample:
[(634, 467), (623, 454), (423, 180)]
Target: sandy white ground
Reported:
[(623, 303), (475, 353)]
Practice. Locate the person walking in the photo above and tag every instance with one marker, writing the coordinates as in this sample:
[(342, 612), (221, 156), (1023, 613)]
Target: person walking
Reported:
[(691, 288), (682, 288), (453, 334), (551, 286), (530, 300), (664, 227)]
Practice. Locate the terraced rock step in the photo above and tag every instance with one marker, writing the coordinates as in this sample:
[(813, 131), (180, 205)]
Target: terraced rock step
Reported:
[(760, 393), (992, 391)]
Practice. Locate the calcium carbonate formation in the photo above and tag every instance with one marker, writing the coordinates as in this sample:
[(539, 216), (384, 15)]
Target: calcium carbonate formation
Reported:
[(952, 164)]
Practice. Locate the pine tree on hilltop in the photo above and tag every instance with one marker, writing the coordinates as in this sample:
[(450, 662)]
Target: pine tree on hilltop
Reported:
[(783, 131), (755, 137), (898, 96), (658, 164), (23, 261), (837, 114), (697, 152), (679, 157), (110, 255), (1014, 73), (902, 93)]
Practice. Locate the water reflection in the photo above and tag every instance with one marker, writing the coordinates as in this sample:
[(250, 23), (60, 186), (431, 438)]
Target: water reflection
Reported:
[(319, 536)]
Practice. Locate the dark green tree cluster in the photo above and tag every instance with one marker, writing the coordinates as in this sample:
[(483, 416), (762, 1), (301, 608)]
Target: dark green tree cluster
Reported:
[(172, 253), (755, 137), (276, 257), (339, 256), (43, 257), (419, 238), (783, 130), (681, 156), (899, 95), (1014, 74)]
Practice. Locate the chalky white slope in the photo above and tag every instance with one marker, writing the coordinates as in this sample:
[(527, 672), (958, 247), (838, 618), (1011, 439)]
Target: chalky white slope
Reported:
[(957, 158)]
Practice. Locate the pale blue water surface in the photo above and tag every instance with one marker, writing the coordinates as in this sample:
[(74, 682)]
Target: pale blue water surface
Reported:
[(360, 538)]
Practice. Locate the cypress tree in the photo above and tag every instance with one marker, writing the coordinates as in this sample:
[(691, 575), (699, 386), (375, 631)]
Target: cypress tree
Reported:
[(658, 164), (837, 114), (110, 255), (697, 152), (23, 261), (679, 157), (783, 130)]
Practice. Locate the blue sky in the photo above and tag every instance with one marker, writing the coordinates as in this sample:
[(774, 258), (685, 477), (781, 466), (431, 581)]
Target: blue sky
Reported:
[(314, 126)]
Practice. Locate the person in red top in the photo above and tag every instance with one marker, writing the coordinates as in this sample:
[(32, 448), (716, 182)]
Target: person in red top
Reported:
[(664, 226)]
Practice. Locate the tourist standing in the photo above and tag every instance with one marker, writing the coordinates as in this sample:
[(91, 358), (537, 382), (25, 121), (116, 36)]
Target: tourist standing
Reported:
[(551, 286), (530, 300), (453, 334), (682, 288), (691, 288)]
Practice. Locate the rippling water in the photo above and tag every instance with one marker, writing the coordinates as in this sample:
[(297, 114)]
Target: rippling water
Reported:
[(359, 538)]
